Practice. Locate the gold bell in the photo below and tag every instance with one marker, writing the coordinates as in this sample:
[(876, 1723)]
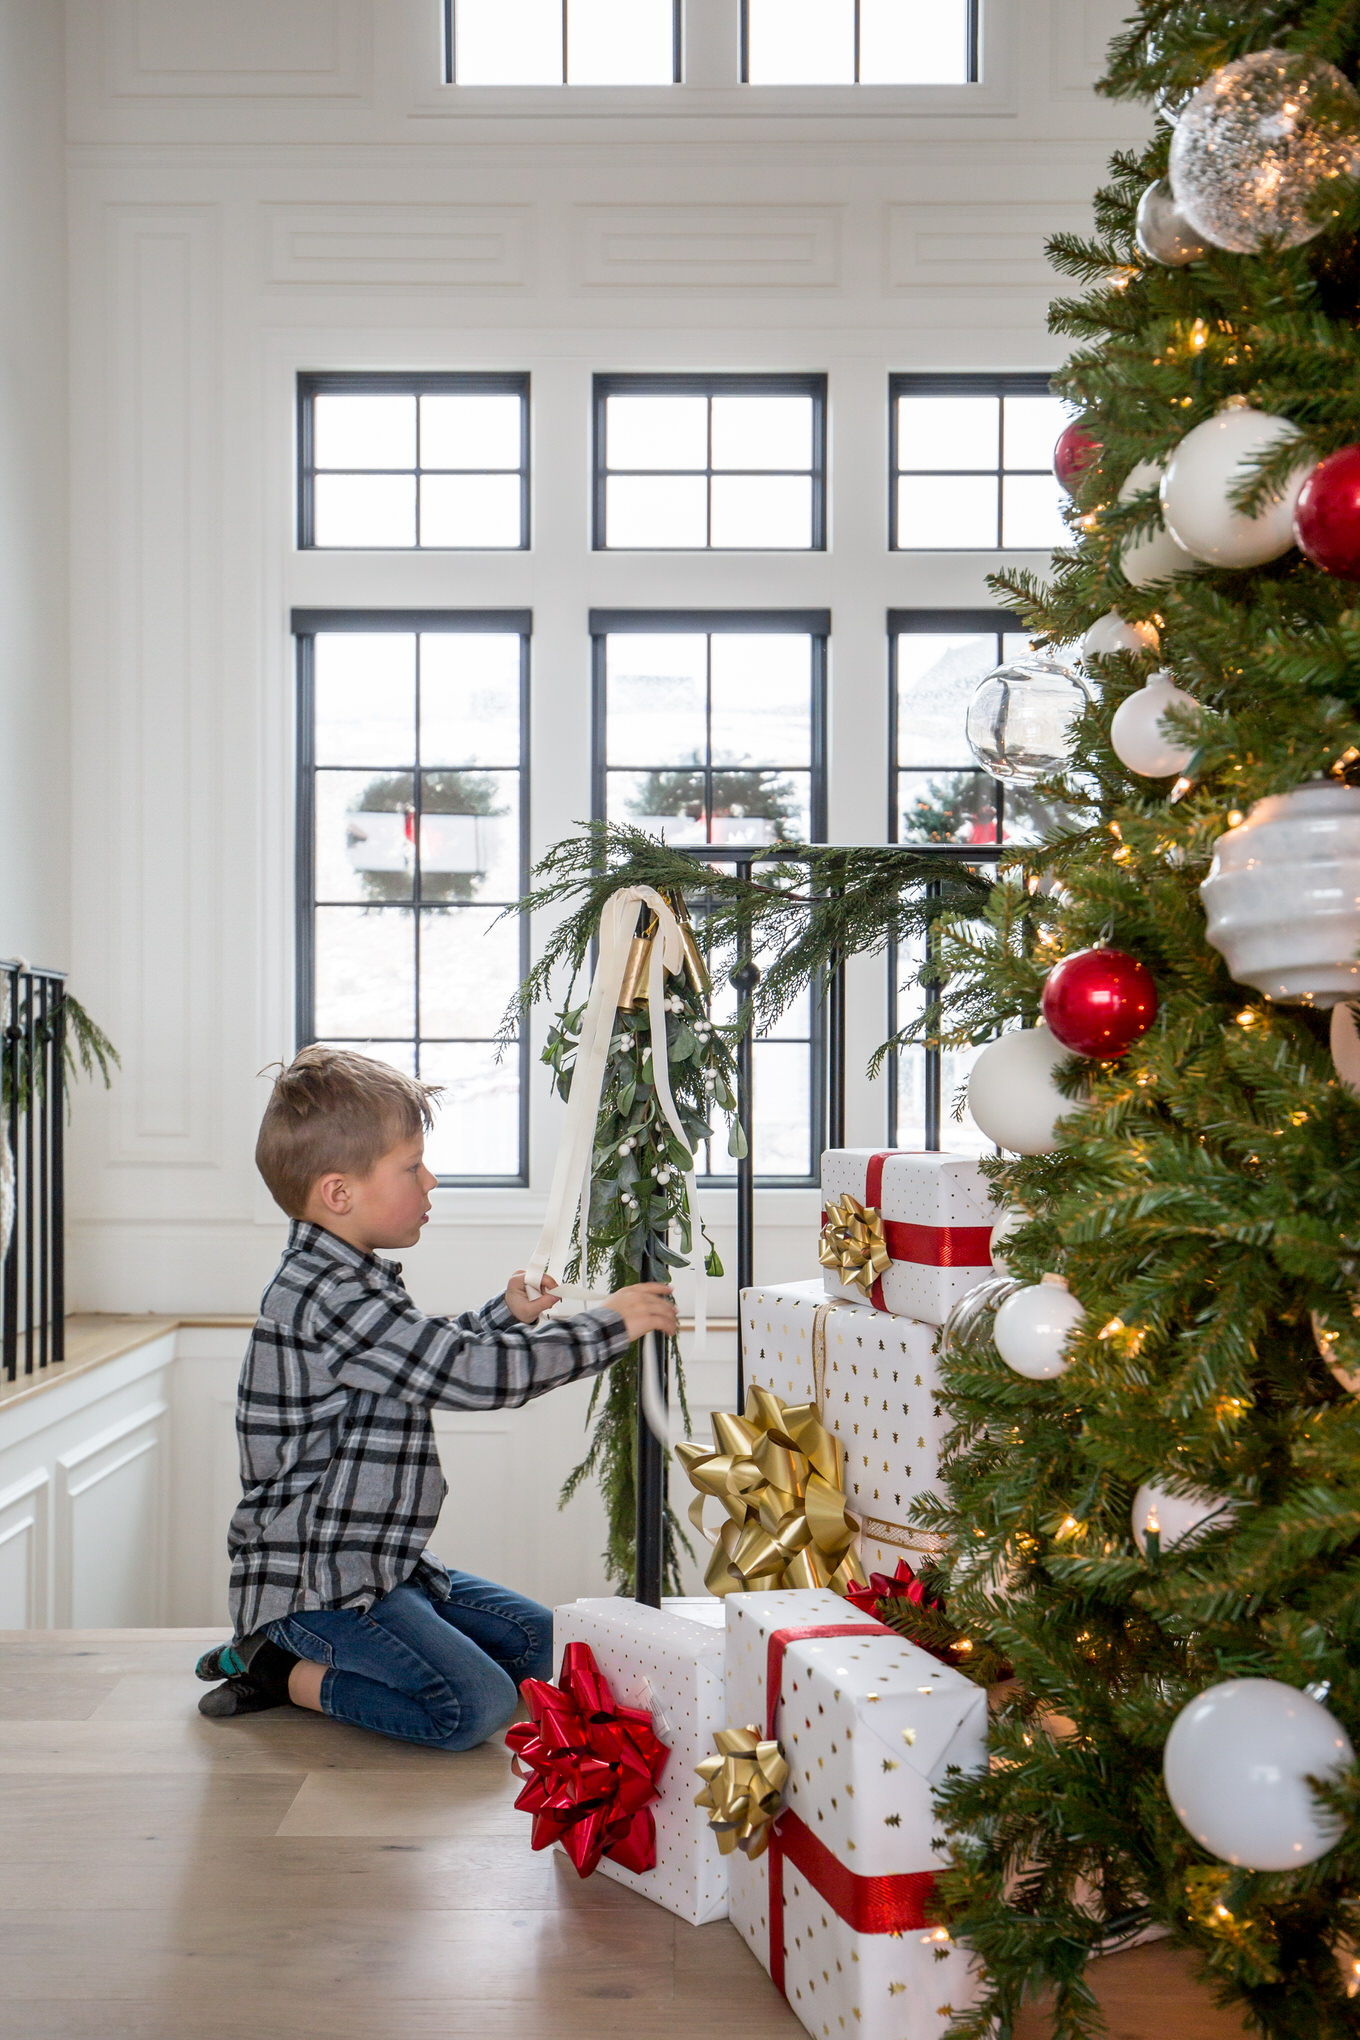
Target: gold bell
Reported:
[(696, 970), (633, 990)]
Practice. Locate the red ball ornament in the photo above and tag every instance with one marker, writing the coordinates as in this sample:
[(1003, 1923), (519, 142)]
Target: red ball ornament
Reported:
[(1074, 453), (1099, 1002), (1327, 515)]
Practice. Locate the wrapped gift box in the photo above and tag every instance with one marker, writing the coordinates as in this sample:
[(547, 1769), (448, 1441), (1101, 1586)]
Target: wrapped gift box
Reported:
[(670, 1661), (936, 1216), (835, 1908), (873, 1379)]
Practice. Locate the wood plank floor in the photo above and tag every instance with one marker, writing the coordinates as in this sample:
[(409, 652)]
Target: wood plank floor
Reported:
[(163, 1877)]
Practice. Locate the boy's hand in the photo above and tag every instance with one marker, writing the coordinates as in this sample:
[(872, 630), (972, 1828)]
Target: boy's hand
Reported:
[(644, 1307), (528, 1308)]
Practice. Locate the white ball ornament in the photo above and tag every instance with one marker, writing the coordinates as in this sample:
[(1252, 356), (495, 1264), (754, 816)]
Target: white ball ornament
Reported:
[(1149, 558), (1212, 461), (1162, 231), (1137, 736), (1110, 634), (1282, 898), (1033, 1327), (1176, 1519), (1237, 1764), (1011, 1093)]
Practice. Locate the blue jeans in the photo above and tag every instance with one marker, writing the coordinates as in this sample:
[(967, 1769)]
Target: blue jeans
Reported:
[(442, 1673)]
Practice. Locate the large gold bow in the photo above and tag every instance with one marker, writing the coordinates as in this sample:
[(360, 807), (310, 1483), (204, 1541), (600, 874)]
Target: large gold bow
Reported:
[(743, 1789), (853, 1244), (778, 1473)]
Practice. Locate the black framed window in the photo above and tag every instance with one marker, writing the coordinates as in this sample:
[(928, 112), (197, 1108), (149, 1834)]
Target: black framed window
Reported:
[(412, 836), (721, 462), (972, 463), (859, 42), (405, 462), (562, 42), (710, 727)]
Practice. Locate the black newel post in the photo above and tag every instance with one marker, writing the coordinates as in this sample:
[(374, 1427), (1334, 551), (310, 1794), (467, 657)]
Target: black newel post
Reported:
[(745, 978)]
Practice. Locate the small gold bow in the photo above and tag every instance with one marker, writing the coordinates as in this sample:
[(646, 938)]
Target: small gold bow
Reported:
[(778, 1472), (743, 1789), (853, 1244)]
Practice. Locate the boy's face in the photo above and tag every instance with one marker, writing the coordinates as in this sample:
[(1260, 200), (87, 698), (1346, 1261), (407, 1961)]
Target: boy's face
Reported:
[(388, 1206)]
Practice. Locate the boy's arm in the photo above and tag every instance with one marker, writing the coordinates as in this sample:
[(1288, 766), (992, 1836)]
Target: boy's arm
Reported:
[(379, 1341)]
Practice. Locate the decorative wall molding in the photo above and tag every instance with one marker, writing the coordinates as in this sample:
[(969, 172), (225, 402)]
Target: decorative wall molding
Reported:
[(176, 49), (111, 1501), (399, 246), (729, 248), (1082, 30), (25, 1542), (963, 245)]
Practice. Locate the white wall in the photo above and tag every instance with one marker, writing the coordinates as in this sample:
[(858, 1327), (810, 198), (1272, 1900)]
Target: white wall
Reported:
[(260, 188), (34, 796)]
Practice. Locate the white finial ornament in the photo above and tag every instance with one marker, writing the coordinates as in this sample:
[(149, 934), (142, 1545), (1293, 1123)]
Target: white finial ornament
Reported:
[(1033, 1327), (1137, 736)]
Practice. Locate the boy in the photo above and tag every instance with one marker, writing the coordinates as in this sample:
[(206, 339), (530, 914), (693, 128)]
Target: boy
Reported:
[(336, 1603)]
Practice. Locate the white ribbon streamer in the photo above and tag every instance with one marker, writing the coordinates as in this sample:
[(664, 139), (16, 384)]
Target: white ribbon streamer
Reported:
[(569, 1196)]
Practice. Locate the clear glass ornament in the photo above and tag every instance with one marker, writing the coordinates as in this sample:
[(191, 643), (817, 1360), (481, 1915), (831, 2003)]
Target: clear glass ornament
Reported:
[(1019, 720), (1258, 143), (1162, 230)]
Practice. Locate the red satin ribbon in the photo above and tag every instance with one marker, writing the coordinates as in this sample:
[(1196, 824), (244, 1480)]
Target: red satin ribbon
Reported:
[(871, 1905), (929, 1246), (592, 1767), (902, 1585)]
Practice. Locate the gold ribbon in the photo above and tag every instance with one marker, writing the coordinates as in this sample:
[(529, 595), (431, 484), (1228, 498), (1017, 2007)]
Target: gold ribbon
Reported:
[(779, 1473), (743, 1790), (853, 1243)]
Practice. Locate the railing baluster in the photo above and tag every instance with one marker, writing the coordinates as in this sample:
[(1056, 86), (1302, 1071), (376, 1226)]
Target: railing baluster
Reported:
[(9, 1283), (57, 1094), (32, 1272), (30, 1119), (745, 978)]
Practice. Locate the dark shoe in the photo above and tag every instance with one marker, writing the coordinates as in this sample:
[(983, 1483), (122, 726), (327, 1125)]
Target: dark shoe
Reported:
[(225, 1662), (241, 1695)]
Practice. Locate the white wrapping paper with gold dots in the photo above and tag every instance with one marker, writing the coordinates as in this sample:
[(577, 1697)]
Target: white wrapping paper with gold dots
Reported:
[(668, 1659), (868, 1725), (938, 1214), (873, 1379)]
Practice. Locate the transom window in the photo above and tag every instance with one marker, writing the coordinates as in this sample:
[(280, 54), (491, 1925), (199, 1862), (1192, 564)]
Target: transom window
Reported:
[(689, 463), (710, 729), (859, 42), (972, 464), (406, 461), (412, 838), (562, 42)]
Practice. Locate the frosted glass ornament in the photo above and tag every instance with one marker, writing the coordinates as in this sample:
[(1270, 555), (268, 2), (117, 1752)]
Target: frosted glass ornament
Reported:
[(1110, 633), (1019, 720), (1177, 1519), (1011, 1093), (1208, 465), (1237, 1764), (1136, 735), (1148, 559), (1033, 1327), (1257, 144), (1282, 898), (1011, 1220), (1162, 230)]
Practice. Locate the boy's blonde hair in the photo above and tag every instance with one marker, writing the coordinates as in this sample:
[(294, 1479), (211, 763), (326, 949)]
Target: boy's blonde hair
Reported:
[(335, 1110)]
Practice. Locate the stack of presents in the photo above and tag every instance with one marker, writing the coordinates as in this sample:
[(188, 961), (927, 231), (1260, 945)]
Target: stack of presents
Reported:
[(769, 1753)]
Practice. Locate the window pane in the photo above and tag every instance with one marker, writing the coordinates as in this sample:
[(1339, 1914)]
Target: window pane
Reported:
[(364, 837), (782, 1083), (621, 42), (359, 510), (507, 42), (913, 42), (469, 970), (801, 42), (1031, 516), (765, 512), (948, 432), (364, 685), (478, 430), (754, 809), (956, 1137), (364, 431), (656, 510), (947, 807), (469, 698), (398, 1055), (476, 1131), (762, 697), (478, 512), (657, 689), (469, 836), (656, 432), (1030, 430), (365, 971), (762, 432), (669, 803), (937, 677), (943, 512)]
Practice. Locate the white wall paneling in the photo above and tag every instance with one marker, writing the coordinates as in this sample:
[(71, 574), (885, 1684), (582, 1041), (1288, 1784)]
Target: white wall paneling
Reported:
[(25, 1515), (112, 1524), (402, 246), (722, 248), (253, 49)]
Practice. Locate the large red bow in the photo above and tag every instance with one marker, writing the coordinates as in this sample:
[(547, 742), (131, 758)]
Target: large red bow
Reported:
[(592, 1767), (902, 1586)]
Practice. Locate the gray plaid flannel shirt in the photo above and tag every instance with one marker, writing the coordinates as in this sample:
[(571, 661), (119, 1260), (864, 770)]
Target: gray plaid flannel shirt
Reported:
[(340, 1476)]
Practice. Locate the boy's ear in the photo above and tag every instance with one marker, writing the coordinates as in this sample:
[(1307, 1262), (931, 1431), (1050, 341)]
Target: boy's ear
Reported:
[(334, 1193)]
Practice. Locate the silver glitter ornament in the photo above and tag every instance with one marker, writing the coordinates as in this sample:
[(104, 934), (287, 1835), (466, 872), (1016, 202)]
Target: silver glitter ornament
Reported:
[(1257, 144), (1162, 230)]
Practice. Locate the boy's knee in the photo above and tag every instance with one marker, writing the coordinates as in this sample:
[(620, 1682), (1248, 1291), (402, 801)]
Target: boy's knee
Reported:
[(463, 1720), (539, 1655)]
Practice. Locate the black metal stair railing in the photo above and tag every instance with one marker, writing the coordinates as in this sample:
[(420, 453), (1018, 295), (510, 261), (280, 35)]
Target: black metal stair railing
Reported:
[(32, 1171)]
